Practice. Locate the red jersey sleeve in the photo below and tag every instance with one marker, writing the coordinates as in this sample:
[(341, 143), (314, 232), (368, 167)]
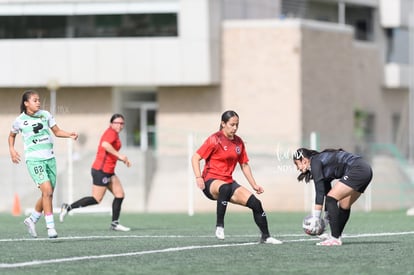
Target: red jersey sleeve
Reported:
[(208, 147)]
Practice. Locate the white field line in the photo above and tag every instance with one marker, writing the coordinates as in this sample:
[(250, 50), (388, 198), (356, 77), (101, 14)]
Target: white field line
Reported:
[(166, 250), (73, 259), (307, 238), (136, 236)]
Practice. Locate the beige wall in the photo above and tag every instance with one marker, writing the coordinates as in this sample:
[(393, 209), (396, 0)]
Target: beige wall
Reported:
[(327, 84), (369, 95), (261, 81), (396, 101), (185, 111)]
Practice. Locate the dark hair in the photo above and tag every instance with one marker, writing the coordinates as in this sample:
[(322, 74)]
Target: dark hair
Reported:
[(301, 153), (226, 116), (115, 116), (25, 97)]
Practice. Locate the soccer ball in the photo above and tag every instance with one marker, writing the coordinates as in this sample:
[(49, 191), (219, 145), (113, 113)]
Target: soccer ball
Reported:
[(313, 226)]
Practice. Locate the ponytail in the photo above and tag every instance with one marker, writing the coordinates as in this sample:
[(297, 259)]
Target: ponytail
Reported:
[(307, 153), (307, 176)]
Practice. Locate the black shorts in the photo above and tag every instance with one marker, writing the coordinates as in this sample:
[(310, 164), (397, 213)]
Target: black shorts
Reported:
[(206, 190), (358, 176), (101, 178)]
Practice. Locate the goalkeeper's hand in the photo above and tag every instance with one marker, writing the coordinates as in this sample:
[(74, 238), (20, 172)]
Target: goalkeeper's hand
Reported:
[(313, 225), (313, 221)]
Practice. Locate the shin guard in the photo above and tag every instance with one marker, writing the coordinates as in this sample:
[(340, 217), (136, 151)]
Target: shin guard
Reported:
[(259, 215), (222, 200), (343, 218), (86, 201), (333, 210), (116, 208)]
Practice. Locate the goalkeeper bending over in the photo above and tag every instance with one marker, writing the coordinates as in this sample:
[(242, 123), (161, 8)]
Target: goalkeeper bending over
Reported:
[(354, 176)]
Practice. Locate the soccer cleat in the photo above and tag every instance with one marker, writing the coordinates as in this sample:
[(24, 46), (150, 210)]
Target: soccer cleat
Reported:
[(324, 236), (270, 240), (331, 242), (220, 232), (51, 233), (119, 227), (63, 211), (31, 227)]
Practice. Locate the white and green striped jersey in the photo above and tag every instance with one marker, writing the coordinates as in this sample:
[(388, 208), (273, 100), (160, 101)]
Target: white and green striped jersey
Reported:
[(37, 139)]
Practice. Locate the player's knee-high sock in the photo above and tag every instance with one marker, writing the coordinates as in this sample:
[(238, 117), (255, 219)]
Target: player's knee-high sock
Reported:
[(333, 210), (50, 223), (35, 216), (85, 201), (259, 215), (223, 198), (116, 208), (343, 218)]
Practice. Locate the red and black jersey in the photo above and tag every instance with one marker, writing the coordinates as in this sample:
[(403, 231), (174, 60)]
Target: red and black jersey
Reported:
[(221, 155), (105, 161)]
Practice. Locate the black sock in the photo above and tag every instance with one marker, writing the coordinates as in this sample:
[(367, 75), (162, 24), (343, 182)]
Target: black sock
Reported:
[(116, 209), (259, 215), (222, 200), (333, 210), (343, 218), (85, 201)]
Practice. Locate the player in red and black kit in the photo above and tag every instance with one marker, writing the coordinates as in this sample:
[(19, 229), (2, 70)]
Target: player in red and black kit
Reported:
[(103, 174), (222, 151), (354, 176)]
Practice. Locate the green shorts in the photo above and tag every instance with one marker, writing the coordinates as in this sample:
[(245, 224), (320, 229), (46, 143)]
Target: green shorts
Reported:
[(42, 171)]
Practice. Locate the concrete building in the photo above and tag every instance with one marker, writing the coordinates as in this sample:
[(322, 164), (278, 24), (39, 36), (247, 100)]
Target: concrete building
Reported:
[(289, 68)]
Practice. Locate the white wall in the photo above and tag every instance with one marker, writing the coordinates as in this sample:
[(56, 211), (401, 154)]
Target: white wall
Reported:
[(395, 13), (189, 59)]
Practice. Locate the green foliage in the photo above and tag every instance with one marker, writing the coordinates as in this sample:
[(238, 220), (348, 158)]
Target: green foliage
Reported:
[(179, 244)]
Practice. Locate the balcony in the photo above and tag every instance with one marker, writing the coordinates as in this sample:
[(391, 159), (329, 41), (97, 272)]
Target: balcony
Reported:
[(396, 76), (394, 13)]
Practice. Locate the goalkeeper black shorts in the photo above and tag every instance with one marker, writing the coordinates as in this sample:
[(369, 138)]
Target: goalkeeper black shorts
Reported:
[(358, 176)]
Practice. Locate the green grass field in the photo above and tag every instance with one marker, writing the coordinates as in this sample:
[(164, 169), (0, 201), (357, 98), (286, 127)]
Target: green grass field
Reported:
[(374, 243)]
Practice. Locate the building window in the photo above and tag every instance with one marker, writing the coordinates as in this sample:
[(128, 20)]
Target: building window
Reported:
[(398, 41), (396, 122), (140, 109), (105, 25), (361, 18), (364, 126), (295, 8)]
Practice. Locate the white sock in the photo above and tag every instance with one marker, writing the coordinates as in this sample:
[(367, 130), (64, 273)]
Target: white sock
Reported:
[(35, 216), (50, 223)]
